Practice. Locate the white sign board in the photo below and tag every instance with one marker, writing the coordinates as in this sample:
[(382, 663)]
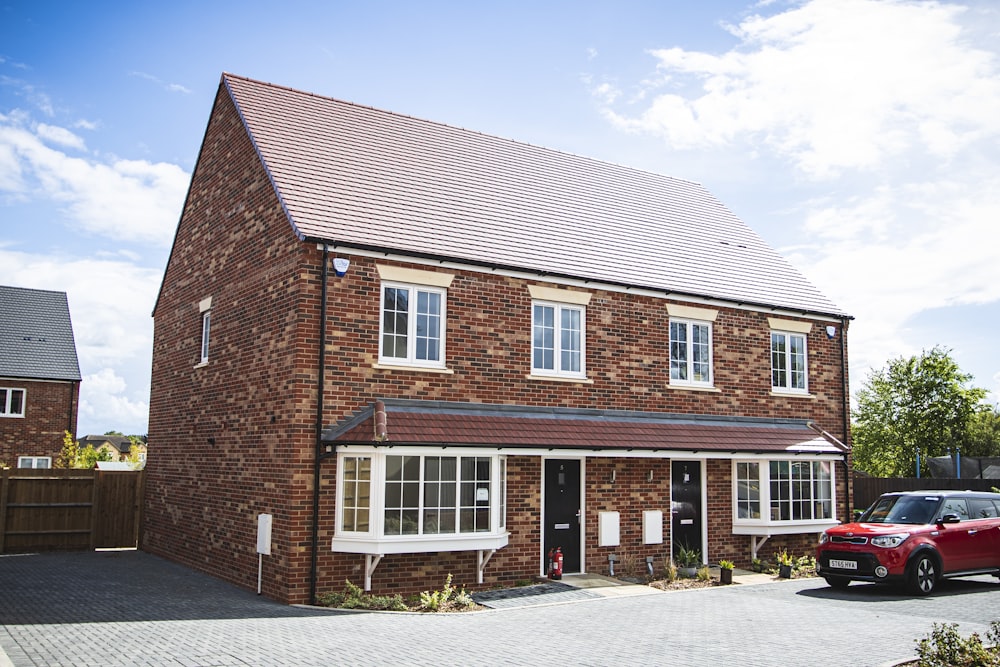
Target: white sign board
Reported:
[(264, 534)]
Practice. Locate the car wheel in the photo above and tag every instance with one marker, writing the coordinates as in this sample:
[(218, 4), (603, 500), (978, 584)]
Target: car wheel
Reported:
[(837, 582), (922, 576)]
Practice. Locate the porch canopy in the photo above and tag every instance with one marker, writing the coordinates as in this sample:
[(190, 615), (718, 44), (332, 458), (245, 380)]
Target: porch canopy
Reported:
[(538, 430)]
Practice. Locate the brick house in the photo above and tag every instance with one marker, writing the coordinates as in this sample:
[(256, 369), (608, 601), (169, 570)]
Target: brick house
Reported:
[(39, 376), (521, 349)]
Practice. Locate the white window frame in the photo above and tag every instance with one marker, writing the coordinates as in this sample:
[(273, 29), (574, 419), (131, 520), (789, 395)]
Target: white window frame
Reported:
[(786, 388), (766, 523), (557, 369), (412, 318), (206, 333), (689, 351), (8, 396), (35, 460), (375, 541)]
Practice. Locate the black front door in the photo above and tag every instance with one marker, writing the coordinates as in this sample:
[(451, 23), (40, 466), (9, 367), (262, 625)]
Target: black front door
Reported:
[(562, 511), (685, 506)]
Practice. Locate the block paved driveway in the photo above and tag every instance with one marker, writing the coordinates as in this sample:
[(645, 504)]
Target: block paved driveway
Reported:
[(131, 608)]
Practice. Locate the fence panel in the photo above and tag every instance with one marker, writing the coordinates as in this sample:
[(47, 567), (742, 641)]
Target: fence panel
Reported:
[(65, 510), (868, 489)]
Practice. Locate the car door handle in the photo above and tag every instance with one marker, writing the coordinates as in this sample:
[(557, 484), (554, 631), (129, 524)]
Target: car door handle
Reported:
[(973, 531)]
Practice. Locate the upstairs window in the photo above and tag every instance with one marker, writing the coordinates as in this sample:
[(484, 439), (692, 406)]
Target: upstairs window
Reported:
[(205, 308), (413, 325), (557, 346), (690, 353), (11, 402), (789, 359), (788, 362), (206, 328)]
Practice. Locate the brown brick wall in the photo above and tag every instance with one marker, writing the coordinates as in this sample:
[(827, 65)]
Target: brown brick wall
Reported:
[(256, 396), (50, 410)]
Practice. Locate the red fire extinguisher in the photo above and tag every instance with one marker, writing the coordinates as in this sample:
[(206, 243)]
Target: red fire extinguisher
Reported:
[(557, 565)]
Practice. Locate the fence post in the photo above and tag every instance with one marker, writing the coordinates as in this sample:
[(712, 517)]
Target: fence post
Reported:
[(4, 485)]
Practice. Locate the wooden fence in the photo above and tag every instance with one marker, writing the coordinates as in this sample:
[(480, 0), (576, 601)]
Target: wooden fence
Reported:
[(66, 510), (868, 489)]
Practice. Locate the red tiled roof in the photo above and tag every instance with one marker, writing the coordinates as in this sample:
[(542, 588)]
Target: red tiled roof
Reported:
[(578, 430), (365, 178)]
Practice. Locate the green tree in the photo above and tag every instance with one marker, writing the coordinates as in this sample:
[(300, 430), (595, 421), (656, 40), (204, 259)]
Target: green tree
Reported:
[(920, 404), (69, 453), (88, 457), (984, 433)]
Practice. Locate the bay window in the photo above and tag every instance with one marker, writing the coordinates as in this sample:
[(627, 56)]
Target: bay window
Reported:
[(420, 501), (776, 492)]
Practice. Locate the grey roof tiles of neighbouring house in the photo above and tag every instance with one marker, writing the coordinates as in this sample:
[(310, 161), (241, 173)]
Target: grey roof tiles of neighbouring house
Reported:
[(36, 335), (365, 178)]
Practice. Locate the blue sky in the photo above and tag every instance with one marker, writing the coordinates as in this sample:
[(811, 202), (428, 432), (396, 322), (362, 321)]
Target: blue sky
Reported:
[(860, 138)]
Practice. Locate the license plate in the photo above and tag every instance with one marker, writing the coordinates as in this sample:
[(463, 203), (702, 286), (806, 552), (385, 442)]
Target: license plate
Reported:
[(844, 564)]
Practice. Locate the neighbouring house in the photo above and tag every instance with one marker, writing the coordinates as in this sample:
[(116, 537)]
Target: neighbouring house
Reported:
[(424, 350), (39, 376), (119, 446)]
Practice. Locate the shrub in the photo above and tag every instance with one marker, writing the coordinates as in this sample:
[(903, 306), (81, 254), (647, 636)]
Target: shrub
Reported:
[(944, 647), (703, 574), (352, 597)]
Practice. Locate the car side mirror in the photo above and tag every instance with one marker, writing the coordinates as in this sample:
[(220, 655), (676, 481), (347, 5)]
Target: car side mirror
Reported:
[(950, 518)]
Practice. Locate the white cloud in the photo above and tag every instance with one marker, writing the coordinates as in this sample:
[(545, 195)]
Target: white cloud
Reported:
[(874, 126), (59, 135), (130, 200), (831, 85), (169, 87), (103, 401), (110, 302)]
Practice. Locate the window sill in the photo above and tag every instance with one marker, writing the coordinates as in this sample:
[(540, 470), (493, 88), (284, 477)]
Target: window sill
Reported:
[(418, 544), (201, 365), (766, 529), (695, 387), (415, 369), (560, 378), (791, 394)]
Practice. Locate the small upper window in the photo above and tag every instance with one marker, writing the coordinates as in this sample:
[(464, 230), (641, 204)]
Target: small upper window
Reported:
[(413, 325), (206, 328), (557, 346), (11, 402), (205, 308), (34, 461), (789, 362), (690, 352)]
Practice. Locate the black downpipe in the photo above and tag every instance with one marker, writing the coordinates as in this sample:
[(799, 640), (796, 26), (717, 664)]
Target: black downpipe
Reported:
[(321, 387), (846, 412)]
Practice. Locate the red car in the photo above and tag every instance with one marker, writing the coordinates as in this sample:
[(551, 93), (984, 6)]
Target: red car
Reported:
[(915, 538)]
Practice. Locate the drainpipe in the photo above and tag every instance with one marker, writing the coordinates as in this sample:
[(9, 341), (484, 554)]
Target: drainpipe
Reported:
[(845, 416), (320, 388)]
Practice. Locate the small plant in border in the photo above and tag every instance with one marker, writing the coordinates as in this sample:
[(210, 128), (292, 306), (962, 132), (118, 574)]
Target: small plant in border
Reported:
[(448, 598)]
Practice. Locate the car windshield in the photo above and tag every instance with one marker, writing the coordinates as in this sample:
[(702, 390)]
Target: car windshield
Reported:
[(902, 509)]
